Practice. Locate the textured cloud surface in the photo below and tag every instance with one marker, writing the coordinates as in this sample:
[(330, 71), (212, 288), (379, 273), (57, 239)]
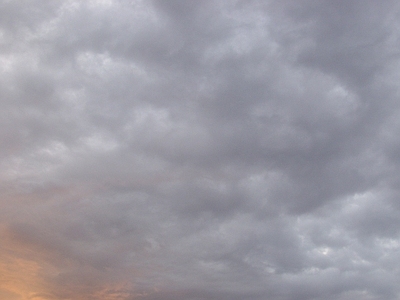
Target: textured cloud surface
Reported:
[(187, 150)]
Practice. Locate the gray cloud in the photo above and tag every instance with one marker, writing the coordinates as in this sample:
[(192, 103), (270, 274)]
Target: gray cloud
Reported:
[(199, 150)]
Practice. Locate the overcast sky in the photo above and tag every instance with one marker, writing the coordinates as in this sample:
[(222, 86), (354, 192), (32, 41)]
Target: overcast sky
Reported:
[(199, 150)]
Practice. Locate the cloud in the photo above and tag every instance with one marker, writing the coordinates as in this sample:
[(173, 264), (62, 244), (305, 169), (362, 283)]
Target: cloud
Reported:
[(199, 150)]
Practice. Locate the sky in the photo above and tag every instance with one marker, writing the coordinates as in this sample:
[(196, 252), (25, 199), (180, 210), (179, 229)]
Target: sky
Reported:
[(199, 150)]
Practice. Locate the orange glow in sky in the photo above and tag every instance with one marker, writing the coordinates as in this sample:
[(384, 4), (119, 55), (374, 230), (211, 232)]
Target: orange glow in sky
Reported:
[(28, 273)]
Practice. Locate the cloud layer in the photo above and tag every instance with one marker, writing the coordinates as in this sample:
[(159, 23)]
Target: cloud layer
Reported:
[(181, 149)]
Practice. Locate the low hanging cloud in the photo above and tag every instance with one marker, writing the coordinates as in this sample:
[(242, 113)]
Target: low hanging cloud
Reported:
[(177, 149)]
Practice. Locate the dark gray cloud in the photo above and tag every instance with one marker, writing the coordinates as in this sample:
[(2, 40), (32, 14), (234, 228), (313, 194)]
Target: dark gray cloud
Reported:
[(199, 150)]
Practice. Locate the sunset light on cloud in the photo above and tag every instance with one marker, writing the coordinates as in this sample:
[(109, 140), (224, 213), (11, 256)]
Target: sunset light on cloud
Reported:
[(199, 150)]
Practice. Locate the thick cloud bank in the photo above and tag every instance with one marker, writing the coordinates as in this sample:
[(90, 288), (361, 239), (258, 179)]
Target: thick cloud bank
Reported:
[(199, 150)]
